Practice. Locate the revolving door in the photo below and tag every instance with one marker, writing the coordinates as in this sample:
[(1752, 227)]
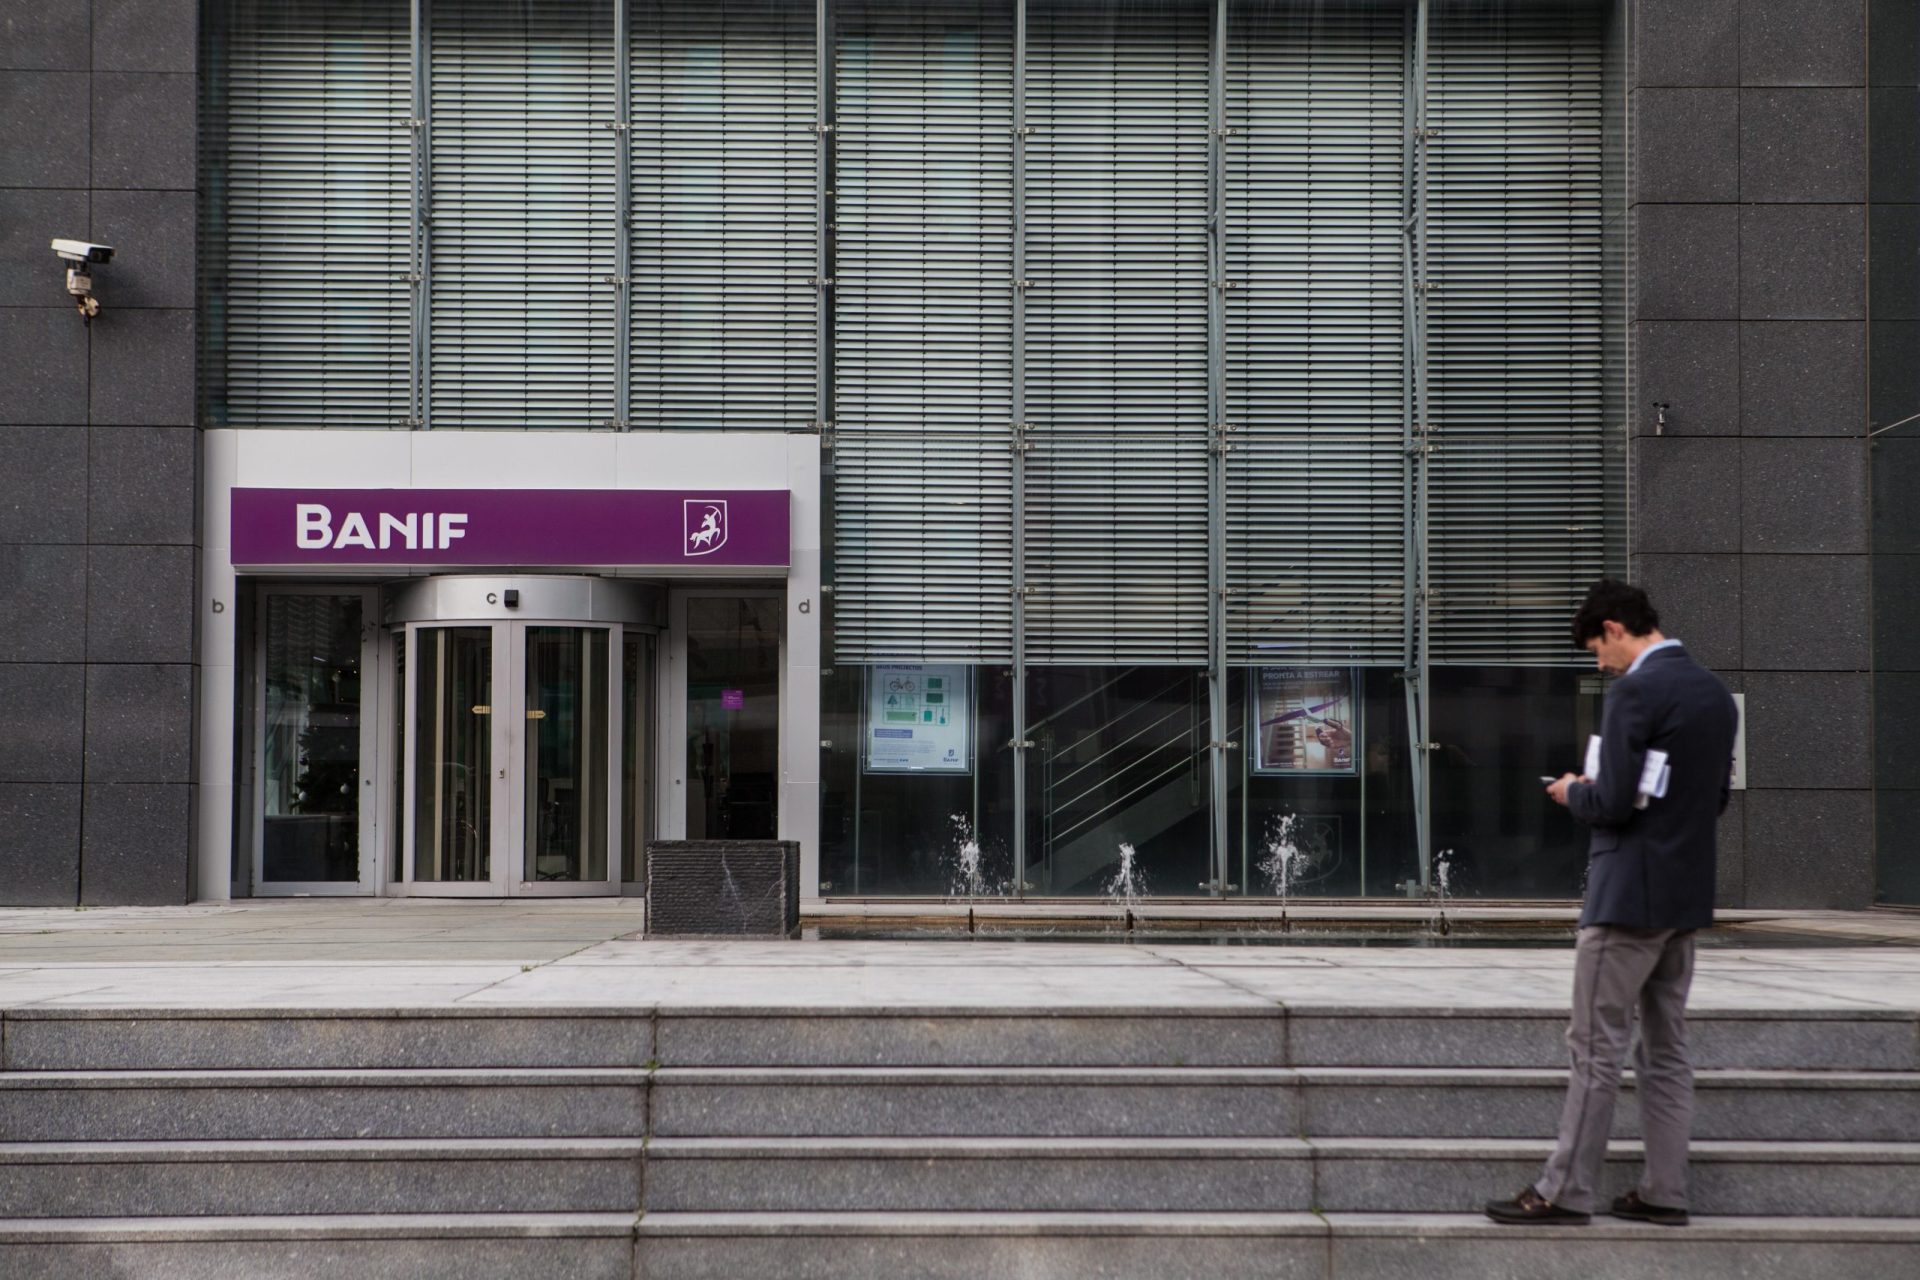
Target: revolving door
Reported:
[(525, 707)]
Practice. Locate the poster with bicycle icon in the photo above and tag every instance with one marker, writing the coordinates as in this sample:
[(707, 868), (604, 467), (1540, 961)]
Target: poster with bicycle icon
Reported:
[(919, 718)]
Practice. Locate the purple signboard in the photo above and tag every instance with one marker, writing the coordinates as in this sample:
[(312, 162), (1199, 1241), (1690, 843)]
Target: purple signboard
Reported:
[(672, 528)]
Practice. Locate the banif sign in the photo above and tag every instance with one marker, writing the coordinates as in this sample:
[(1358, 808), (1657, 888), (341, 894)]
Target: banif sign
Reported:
[(707, 529)]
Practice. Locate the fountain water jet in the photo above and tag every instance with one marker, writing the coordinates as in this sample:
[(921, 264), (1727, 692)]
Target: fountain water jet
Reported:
[(969, 875), (1125, 888), (1282, 863), (1442, 887)]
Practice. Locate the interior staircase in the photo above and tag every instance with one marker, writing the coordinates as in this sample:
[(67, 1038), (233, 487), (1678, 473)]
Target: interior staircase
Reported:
[(1310, 1142), (1125, 761)]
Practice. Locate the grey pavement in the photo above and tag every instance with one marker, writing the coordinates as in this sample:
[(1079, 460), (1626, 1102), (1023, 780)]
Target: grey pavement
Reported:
[(399, 953)]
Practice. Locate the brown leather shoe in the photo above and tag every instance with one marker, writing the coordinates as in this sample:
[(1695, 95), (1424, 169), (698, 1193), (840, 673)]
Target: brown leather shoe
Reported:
[(1529, 1208), (1632, 1206)]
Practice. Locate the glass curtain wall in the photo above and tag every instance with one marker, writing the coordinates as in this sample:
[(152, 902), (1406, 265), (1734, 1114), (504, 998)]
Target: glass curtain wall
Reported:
[(1517, 487), (918, 793), (1116, 524), (522, 181), (306, 218), (1372, 404), (1118, 780), (724, 201), (451, 227), (1332, 525), (1318, 480), (1116, 517)]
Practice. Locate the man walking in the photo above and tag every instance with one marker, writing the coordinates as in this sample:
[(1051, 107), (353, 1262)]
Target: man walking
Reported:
[(1649, 886)]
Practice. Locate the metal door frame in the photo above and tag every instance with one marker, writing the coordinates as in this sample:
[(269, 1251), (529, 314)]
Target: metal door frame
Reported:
[(372, 717)]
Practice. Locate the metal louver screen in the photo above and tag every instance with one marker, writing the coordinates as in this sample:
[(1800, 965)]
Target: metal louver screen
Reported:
[(723, 214), (1117, 521), (1517, 489), (312, 329), (1316, 478), (522, 178), (923, 272)]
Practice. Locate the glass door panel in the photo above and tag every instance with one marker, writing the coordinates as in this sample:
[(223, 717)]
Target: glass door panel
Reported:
[(311, 740), (636, 754), (733, 717), (453, 754), (564, 769)]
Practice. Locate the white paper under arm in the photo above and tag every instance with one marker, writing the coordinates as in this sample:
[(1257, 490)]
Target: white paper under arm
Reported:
[(1653, 779)]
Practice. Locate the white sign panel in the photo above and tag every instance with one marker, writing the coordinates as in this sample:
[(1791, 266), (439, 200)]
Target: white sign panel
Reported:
[(919, 718), (1739, 779)]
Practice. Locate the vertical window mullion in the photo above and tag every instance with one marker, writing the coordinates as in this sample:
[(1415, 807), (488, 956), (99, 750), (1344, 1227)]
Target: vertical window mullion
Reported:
[(623, 216)]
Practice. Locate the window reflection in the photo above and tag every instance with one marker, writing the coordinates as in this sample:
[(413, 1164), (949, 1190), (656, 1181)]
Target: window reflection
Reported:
[(565, 772), (453, 754), (310, 750)]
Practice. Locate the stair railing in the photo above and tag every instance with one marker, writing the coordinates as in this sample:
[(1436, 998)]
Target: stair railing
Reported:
[(1158, 747)]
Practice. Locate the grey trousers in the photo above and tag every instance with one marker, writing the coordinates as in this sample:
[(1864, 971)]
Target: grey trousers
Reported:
[(1617, 970)]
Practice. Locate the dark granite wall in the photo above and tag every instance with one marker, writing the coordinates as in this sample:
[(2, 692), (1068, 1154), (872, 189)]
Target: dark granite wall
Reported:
[(1750, 511), (98, 454)]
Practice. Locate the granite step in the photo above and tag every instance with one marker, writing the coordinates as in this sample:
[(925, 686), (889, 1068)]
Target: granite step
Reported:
[(1148, 1102), (1387, 1102), (1752, 1040), (1804, 1040), (386, 1176), (1345, 1175), (1228, 1246), (183, 1179), (500, 1102), (935, 1246), (67, 1039), (579, 1246)]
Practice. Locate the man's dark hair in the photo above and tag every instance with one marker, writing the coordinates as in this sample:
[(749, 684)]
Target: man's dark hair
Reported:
[(1609, 600)]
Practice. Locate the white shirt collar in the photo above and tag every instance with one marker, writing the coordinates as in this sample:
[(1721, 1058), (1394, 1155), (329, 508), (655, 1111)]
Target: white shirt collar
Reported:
[(1651, 649)]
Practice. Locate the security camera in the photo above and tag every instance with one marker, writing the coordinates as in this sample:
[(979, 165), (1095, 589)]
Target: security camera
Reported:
[(82, 251), (79, 282)]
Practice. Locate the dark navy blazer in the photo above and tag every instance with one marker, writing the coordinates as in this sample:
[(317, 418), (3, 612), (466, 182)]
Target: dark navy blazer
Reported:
[(1653, 868)]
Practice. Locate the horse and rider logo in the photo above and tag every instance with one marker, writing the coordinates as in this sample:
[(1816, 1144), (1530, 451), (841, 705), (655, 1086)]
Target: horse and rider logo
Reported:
[(704, 522)]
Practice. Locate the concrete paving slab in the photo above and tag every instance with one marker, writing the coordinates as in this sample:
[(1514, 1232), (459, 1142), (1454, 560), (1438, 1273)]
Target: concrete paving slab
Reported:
[(410, 953), (867, 986), (892, 954)]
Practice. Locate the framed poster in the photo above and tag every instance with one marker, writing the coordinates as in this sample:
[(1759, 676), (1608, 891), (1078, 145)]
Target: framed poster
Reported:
[(918, 718), (1305, 720)]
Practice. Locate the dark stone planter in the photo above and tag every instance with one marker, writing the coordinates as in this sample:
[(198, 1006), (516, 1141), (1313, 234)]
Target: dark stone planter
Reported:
[(723, 888)]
